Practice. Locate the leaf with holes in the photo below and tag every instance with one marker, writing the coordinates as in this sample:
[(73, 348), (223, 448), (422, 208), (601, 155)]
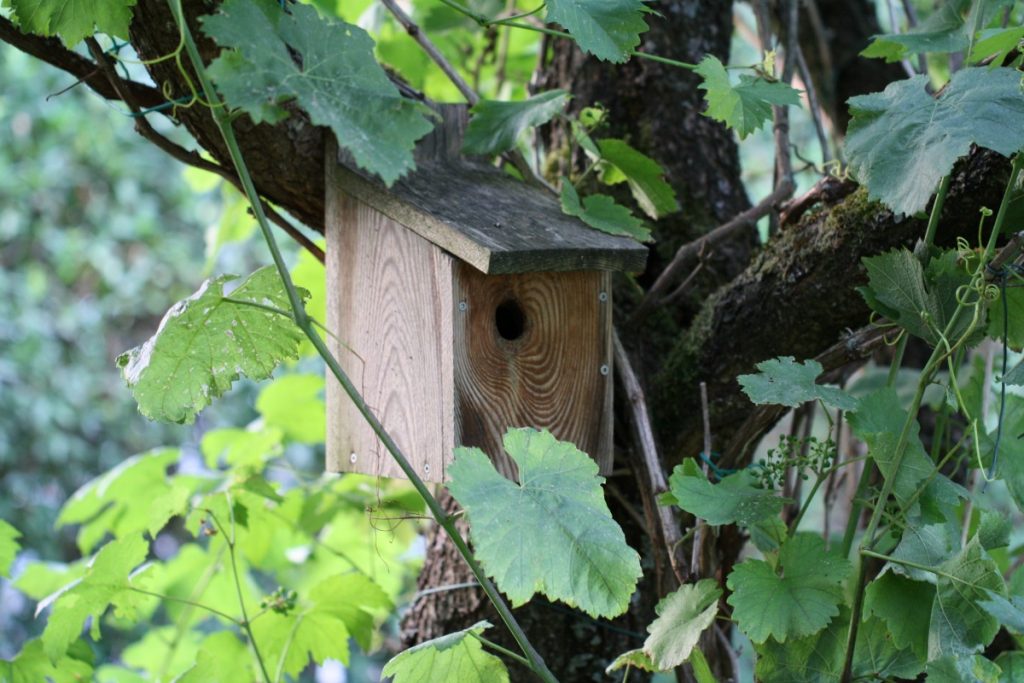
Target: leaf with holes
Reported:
[(208, 341), (73, 20), (552, 532), (682, 618), (607, 29), (903, 140), (496, 126), (783, 381), (327, 66), (600, 212), (797, 598), (746, 106), (454, 657)]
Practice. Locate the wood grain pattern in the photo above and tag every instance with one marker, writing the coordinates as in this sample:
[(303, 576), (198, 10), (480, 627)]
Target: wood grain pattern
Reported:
[(486, 217), (389, 304), (550, 377)]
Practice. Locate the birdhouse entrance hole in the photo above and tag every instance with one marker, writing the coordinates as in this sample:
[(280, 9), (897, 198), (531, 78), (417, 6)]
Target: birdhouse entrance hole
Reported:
[(510, 320)]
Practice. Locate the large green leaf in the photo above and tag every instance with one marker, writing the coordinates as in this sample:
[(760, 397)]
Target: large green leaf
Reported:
[(106, 584), (903, 140), (209, 340), (783, 381), (960, 624), (928, 545), (601, 212), (898, 602), (327, 67), (320, 628), (682, 617), (1009, 611), (621, 163), (73, 20), (32, 665), (743, 107), (922, 301), (222, 657), (133, 497), (736, 499), (952, 668), (552, 532), (798, 598), (878, 422), (455, 657), (496, 126), (8, 547), (607, 29)]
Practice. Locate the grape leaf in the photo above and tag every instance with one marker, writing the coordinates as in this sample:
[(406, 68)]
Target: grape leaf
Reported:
[(961, 669), (133, 497), (996, 43), (295, 405), (73, 20), (682, 617), (496, 126), (335, 79), (922, 301), (607, 29), (878, 422), (240, 448), (457, 656), (902, 141), (734, 500), (897, 601), (1014, 325), (959, 623), (743, 107), (635, 659), (800, 601), (32, 665), (994, 529), (622, 163), (209, 340), (222, 657), (1009, 612), (552, 532), (783, 381), (600, 212), (320, 628), (1011, 666), (929, 545), (947, 29), (8, 547), (106, 583)]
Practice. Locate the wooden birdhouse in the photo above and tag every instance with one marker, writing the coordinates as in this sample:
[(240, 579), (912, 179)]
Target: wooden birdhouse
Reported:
[(463, 302)]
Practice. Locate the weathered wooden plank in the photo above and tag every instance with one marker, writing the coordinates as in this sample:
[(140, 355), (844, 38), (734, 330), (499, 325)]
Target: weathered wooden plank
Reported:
[(533, 350), (390, 294), (486, 217)]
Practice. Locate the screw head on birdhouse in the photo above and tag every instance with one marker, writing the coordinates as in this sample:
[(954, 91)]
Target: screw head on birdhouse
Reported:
[(462, 302)]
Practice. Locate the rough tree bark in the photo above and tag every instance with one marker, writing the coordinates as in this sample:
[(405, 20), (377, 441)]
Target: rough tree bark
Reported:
[(794, 296)]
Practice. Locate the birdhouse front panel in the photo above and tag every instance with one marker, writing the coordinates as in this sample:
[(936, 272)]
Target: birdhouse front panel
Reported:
[(533, 350)]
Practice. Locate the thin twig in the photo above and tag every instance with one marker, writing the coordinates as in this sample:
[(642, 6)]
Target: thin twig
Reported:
[(651, 463), (428, 46), (684, 256), (701, 527), (817, 115), (183, 155)]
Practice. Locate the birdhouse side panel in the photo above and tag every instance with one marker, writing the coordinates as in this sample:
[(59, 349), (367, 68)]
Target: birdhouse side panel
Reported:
[(534, 350), (390, 311)]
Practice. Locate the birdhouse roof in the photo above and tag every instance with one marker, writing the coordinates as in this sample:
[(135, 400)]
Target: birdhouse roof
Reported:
[(484, 216)]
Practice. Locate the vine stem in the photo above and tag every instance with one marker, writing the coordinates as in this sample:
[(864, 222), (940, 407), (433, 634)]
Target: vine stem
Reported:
[(229, 540), (303, 321)]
